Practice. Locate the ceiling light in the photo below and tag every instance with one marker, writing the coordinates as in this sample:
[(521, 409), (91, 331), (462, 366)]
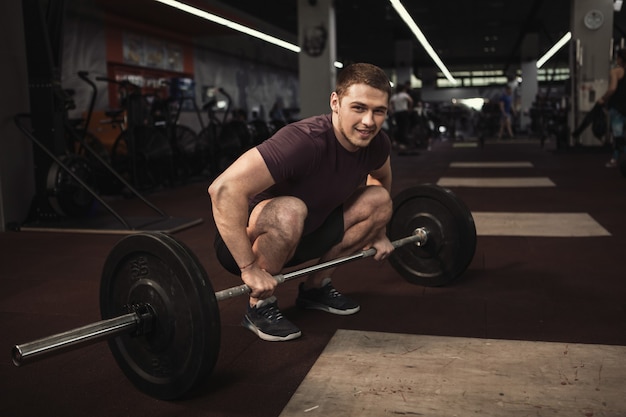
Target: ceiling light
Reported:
[(421, 38), (562, 42), (235, 26), (230, 24)]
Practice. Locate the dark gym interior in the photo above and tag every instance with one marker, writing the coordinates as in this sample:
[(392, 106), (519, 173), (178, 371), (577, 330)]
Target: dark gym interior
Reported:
[(97, 148)]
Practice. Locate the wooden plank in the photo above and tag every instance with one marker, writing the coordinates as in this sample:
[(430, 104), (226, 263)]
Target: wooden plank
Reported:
[(382, 374)]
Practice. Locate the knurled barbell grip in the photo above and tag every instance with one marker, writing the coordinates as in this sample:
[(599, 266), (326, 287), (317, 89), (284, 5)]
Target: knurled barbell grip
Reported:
[(419, 237), (93, 332)]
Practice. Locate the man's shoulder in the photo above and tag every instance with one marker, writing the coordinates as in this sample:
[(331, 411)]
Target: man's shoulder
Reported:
[(300, 134), (321, 120), (312, 127)]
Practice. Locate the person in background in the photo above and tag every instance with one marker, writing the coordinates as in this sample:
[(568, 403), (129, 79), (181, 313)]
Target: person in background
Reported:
[(506, 112), (278, 117), (615, 99), (401, 104), (421, 125), (317, 189)]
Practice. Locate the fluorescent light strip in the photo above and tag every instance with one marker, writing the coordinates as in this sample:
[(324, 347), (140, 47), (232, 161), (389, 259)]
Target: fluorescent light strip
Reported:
[(562, 42), (235, 26), (230, 24), (421, 38)]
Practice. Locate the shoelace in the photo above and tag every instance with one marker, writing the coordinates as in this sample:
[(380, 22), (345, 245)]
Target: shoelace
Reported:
[(271, 312), (333, 292)]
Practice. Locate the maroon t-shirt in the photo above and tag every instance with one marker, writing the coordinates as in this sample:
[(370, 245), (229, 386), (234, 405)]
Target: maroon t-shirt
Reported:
[(307, 161)]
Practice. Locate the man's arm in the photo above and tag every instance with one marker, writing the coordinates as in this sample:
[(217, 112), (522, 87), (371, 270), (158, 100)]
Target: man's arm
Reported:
[(230, 194), (382, 176)]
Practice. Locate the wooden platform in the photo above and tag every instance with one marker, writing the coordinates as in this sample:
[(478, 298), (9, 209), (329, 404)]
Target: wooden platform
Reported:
[(383, 374)]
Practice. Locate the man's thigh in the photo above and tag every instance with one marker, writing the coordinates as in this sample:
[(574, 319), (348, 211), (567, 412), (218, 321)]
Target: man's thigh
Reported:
[(311, 246)]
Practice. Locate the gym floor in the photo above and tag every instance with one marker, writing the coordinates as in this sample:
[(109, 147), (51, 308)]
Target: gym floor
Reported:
[(528, 287)]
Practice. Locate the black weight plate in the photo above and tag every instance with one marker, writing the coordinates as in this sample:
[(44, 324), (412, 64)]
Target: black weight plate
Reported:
[(451, 241), (181, 350)]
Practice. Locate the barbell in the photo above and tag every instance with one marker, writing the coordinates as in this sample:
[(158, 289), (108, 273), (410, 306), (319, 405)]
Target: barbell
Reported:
[(160, 314)]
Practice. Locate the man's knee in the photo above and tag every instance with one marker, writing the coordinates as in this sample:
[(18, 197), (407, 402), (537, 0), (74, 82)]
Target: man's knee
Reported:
[(375, 203), (380, 196), (383, 205), (282, 216)]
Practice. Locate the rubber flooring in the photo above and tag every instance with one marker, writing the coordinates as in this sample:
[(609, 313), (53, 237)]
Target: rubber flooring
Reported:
[(531, 288)]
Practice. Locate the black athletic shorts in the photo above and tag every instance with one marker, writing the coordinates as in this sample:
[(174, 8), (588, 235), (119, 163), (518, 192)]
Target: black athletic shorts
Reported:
[(311, 246)]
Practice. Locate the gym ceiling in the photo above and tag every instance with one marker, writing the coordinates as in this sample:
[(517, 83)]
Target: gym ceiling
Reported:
[(467, 35)]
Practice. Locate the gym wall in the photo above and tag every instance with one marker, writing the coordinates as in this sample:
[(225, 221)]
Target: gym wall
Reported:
[(254, 73)]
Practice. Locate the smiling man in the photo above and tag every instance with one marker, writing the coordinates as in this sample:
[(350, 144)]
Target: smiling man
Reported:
[(318, 189)]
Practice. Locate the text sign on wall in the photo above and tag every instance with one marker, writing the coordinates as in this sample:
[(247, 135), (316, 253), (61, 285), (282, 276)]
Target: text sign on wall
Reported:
[(144, 51)]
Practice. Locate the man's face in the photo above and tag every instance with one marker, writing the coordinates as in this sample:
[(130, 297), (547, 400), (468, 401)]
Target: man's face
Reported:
[(359, 116)]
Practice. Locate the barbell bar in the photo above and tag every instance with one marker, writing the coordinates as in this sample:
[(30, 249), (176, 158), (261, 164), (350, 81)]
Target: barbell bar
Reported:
[(419, 237), (160, 314), (90, 333), (133, 322)]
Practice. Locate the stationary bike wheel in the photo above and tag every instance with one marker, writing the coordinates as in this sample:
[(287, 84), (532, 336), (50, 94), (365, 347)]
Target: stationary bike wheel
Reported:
[(187, 160), (153, 157), (105, 180), (207, 151), (120, 158), (66, 196)]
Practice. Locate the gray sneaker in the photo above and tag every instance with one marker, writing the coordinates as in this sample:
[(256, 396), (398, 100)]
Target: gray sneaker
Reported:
[(266, 321), (326, 298)]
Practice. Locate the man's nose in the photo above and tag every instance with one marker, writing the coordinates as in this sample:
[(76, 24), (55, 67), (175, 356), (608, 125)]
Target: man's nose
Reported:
[(368, 118)]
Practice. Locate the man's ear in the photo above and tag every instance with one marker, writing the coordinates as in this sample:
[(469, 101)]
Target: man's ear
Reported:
[(334, 102)]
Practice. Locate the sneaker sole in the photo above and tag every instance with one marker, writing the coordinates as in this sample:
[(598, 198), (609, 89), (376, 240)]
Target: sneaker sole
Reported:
[(323, 307), (268, 337)]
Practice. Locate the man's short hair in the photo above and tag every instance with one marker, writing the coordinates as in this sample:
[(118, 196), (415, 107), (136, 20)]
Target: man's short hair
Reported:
[(362, 73)]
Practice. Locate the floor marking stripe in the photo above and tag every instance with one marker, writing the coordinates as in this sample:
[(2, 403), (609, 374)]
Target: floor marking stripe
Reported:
[(520, 164), (502, 182), (537, 224)]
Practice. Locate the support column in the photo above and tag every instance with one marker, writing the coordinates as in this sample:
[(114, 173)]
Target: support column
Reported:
[(428, 75), (529, 85), (17, 183), (590, 59), (316, 37), (404, 61)]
